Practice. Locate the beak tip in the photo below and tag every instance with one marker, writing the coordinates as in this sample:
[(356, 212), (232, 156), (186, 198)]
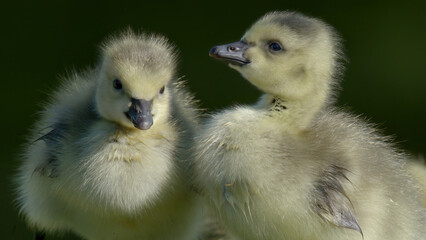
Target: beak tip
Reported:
[(144, 125), (213, 52)]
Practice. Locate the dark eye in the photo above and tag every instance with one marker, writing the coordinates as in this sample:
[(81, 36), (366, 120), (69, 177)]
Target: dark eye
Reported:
[(117, 84), (275, 47), (162, 90)]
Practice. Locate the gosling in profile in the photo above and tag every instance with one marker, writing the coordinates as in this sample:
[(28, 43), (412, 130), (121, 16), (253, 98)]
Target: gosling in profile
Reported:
[(293, 166), (105, 160)]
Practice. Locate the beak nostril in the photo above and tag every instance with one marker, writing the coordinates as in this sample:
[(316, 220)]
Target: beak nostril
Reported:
[(231, 52)]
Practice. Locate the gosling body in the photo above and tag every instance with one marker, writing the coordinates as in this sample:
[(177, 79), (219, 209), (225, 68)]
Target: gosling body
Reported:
[(293, 166), (105, 160)]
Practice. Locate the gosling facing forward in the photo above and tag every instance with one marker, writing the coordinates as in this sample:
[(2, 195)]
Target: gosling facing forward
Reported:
[(105, 159)]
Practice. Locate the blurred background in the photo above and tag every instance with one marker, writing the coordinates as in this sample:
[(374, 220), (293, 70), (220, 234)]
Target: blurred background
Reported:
[(41, 41)]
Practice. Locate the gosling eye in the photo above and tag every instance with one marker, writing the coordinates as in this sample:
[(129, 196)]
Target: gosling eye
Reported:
[(117, 84), (162, 90), (275, 47)]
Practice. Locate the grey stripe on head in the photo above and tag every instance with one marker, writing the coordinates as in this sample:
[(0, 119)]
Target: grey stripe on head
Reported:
[(298, 23)]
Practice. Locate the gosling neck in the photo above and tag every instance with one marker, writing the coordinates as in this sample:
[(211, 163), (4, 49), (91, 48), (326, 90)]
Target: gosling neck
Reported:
[(298, 115)]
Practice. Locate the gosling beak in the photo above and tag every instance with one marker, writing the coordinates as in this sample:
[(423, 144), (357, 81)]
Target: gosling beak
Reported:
[(232, 53), (140, 113)]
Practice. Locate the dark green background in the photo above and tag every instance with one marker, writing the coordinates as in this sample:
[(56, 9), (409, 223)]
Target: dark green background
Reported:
[(40, 41)]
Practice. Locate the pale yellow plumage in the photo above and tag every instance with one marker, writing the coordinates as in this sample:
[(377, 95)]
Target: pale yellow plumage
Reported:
[(293, 166), (89, 168)]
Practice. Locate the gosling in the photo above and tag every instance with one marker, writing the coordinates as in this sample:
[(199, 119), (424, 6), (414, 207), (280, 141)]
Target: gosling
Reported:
[(105, 161), (293, 166)]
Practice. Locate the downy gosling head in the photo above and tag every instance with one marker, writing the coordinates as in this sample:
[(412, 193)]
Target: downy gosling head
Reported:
[(132, 81), (293, 58)]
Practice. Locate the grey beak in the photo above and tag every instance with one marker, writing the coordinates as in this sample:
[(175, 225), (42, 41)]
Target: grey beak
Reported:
[(140, 113), (232, 53)]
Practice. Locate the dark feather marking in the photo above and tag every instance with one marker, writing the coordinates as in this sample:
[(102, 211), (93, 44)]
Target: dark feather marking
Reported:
[(54, 135), (52, 139), (78, 119), (277, 105), (330, 201)]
